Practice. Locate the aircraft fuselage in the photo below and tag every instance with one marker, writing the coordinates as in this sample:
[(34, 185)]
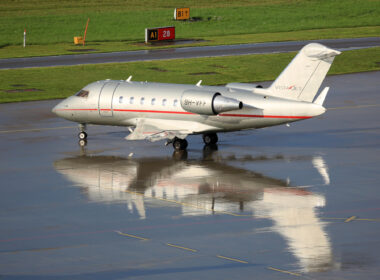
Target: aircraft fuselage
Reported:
[(173, 111), (122, 103)]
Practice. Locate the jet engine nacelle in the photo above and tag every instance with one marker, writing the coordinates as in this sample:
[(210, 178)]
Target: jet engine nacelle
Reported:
[(208, 103)]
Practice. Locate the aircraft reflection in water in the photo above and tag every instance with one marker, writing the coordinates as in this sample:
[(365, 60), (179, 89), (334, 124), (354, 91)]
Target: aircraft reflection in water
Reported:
[(204, 187)]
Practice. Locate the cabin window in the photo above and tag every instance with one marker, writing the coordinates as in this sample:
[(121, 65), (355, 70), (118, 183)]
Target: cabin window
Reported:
[(82, 93), (121, 99), (175, 102), (163, 102), (153, 101), (131, 100), (142, 100)]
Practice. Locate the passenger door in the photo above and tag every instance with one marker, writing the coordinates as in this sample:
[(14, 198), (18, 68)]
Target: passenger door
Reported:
[(105, 99)]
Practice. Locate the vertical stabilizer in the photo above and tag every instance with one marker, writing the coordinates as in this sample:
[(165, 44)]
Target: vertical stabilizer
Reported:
[(302, 78)]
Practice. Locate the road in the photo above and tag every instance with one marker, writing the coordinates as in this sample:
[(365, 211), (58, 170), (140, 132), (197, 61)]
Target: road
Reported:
[(186, 52), (298, 202)]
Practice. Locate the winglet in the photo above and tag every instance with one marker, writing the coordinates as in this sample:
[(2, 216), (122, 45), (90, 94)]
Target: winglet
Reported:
[(199, 83), (129, 79), (321, 97)]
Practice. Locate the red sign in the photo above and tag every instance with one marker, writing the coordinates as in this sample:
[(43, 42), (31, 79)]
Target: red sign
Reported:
[(166, 33), (159, 34)]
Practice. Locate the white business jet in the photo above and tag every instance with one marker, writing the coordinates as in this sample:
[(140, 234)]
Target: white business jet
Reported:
[(156, 111)]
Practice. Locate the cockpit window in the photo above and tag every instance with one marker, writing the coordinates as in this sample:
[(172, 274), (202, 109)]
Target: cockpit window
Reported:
[(82, 93)]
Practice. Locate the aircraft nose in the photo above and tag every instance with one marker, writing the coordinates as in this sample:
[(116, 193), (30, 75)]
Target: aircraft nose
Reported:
[(58, 109), (54, 110)]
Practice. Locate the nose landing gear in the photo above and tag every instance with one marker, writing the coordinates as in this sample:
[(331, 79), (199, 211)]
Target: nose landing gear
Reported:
[(82, 142), (82, 135)]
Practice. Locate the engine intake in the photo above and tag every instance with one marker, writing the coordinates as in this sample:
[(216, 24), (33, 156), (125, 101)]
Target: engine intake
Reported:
[(208, 103)]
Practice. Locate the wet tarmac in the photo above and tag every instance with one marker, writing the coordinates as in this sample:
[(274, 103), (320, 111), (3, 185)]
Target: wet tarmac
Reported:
[(186, 52), (276, 203)]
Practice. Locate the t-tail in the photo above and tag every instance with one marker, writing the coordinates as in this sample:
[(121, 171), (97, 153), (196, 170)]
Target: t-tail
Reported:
[(302, 78)]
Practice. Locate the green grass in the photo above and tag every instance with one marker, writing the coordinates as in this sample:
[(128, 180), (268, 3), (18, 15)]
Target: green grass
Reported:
[(67, 48), (60, 82), (119, 25)]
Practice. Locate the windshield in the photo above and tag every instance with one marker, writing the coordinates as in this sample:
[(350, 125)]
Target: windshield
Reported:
[(82, 93)]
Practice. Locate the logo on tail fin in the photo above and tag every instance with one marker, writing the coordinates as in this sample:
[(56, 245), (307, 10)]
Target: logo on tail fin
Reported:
[(292, 88)]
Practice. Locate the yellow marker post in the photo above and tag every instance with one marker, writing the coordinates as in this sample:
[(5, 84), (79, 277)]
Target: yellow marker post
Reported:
[(78, 40)]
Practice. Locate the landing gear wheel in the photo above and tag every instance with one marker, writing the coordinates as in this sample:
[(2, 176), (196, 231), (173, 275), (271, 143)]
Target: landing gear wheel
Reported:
[(82, 142), (210, 138), (82, 135), (179, 144)]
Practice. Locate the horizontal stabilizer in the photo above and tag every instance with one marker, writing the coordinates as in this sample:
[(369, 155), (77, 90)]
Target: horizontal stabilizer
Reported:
[(322, 96)]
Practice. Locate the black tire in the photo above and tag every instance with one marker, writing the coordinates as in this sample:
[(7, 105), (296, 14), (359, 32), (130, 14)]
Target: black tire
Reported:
[(82, 135), (179, 144), (210, 138)]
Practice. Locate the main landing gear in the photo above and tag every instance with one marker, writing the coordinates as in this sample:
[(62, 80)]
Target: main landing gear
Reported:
[(210, 138), (82, 135), (179, 144)]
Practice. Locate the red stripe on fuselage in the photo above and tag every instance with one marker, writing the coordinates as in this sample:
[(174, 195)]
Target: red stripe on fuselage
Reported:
[(189, 113), (153, 111), (77, 109)]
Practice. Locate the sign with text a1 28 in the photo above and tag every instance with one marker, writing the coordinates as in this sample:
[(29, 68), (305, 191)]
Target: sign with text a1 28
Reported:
[(181, 13), (159, 34)]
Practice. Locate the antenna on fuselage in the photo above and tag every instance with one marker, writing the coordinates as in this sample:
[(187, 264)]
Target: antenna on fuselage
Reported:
[(199, 83), (129, 79)]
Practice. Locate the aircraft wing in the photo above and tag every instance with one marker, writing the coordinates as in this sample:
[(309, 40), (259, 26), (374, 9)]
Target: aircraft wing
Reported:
[(158, 129)]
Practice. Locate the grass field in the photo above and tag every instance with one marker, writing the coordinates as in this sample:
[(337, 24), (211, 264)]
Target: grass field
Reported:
[(119, 25), (60, 82), (69, 48)]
